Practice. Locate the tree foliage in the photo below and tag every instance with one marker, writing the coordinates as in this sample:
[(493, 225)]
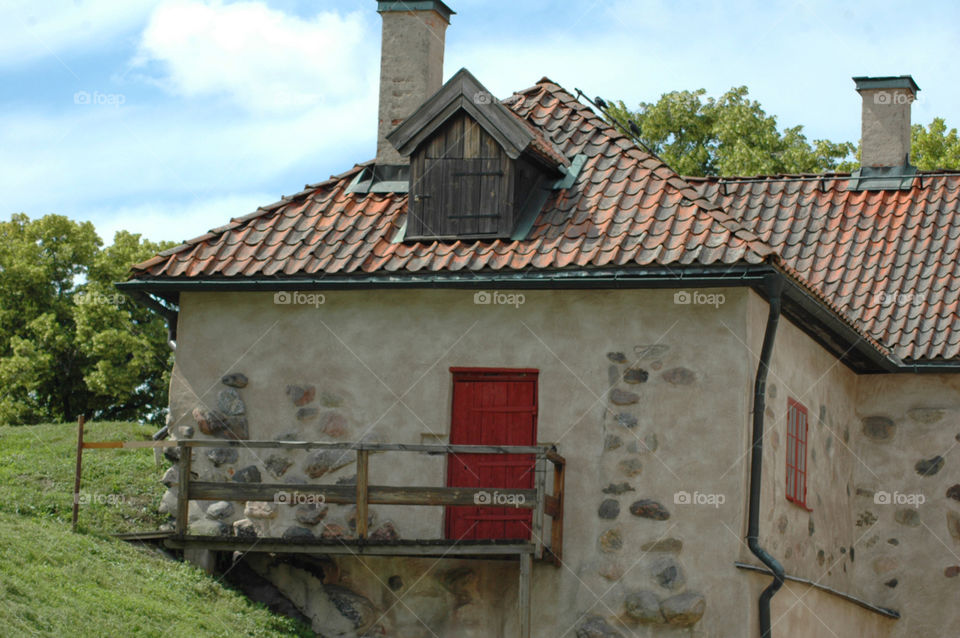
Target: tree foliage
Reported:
[(70, 344), (933, 147)]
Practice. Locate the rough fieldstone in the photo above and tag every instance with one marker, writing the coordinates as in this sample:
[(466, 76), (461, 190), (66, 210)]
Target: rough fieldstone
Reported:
[(627, 420), (609, 509), (623, 397), (352, 519), (925, 416), (644, 607), (352, 606), (684, 610), (234, 380), (891, 583), (636, 375), (611, 540), (168, 503), (395, 583), (216, 423), (311, 514), (679, 376), (821, 557), (865, 491), (332, 531), (249, 474), (617, 357), (220, 455), (952, 572), (297, 534), (334, 425), (668, 545), (321, 462), (954, 492), (617, 488), (879, 428), (260, 509), (220, 510), (866, 519), (278, 464), (230, 403), (208, 527), (907, 516), (307, 414), (654, 351), (630, 467), (170, 477), (386, 533), (891, 541), (244, 528), (929, 467), (953, 525), (185, 432), (668, 573), (596, 627), (301, 394), (648, 508), (612, 442)]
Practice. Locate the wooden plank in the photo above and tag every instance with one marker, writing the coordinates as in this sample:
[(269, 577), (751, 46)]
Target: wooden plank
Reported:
[(351, 547), (76, 477), (183, 487), (556, 522), (471, 138), (363, 476), (542, 450), (376, 494), (551, 505), (107, 445), (541, 487), (523, 602)]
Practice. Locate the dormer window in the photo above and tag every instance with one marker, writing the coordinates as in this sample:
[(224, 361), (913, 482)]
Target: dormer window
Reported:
[(474, 165)]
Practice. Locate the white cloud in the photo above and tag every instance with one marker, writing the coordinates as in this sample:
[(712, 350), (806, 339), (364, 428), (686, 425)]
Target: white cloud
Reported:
[(261, 58)]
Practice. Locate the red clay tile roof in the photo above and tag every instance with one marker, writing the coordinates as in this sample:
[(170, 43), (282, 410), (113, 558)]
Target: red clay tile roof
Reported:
[(889, 260)]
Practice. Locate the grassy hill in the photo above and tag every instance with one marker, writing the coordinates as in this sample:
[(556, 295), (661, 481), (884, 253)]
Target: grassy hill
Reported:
[(54, 582)]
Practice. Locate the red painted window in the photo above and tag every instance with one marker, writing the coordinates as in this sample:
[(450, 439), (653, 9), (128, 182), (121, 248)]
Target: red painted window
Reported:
[(491, 407), (796, 453)]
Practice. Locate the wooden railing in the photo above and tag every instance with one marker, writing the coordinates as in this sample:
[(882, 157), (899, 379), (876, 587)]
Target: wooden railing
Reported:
[(363, 494)]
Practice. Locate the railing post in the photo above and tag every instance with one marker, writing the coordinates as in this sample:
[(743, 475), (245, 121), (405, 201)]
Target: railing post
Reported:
[(540, 475), (556, 522), (183, 488), (363, 462), (523, 599), (76, 479)]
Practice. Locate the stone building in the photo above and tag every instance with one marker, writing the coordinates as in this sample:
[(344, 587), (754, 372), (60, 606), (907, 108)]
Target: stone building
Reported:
[(752, 382)]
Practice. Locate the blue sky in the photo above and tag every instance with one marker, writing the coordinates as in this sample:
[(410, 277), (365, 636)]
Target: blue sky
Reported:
[(168, 117)]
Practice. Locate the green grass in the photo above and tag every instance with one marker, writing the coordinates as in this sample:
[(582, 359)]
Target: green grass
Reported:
[(54, 582)]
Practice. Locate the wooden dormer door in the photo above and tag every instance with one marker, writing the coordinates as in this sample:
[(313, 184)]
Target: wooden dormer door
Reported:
[(492, 407)]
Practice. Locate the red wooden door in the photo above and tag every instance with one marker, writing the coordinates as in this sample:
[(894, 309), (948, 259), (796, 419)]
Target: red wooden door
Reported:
[(492, 407)]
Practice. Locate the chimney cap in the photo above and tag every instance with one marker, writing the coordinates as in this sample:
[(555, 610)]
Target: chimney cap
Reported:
[(865, 83), (385, 6)]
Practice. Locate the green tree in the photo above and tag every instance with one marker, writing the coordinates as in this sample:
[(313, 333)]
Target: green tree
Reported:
[(71, 344), (732, 135), (933, 147)]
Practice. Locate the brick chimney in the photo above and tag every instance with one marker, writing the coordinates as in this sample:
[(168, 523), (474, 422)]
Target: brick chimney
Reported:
[(885, 120), (411, 64)]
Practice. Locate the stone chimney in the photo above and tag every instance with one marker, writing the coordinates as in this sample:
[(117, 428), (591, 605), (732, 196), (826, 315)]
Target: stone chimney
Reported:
[(411, 64), (885, 125)]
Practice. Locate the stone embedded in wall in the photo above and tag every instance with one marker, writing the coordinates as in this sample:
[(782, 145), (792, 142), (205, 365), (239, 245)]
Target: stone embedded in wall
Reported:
[(929, 467), (333, 531), (669, 545), (208, 527), (352, 519), (609, 509), (679, 376), (230, 403), (216, 423), (322, 462), (907, 516), (954, 492), (617, 357), (893, 582), (244, 528), (648, 508), (630, 467), (653, 351), (170, 477), (668, 573), (891, 541), (168, 503), (683, 610), (926, 416), (623, 397), (172, 454), (821, 558), (220, 510), (278, 464), (334, 425), (617, 488), (879, 428), (782, 524), (811, 528), (386, 533), (952, 572), (301, 394), (611, 540), (307, 414), (612, 571), (596, 627), (866, 519), (865, 491), (260, 509), (644, 607), (627, 420), (185, 432), (297, 534), (234, 380), (612, 442), (221, 455), (352, 606), (636, 375), (953, 525), (249, 474), (395, 583), (311, 514)]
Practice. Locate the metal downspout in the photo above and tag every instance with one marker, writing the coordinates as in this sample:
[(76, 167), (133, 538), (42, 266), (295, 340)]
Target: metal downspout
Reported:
[(774, 288)]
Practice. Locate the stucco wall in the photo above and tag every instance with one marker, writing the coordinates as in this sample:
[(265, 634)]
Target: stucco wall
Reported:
[(377, 366)]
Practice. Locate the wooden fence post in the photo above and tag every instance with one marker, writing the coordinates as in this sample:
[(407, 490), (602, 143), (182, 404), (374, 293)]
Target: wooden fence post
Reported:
[(76, 479), (363, 462)]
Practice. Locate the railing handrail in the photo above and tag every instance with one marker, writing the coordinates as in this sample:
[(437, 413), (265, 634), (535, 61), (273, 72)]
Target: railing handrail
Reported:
[(544, 450)]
